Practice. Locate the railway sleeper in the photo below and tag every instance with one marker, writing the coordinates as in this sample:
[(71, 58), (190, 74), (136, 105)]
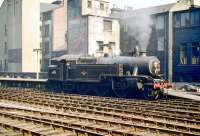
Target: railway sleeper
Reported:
[(169, 125)]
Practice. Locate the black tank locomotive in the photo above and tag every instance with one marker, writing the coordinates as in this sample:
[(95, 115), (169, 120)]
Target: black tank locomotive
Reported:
[(120, 76)]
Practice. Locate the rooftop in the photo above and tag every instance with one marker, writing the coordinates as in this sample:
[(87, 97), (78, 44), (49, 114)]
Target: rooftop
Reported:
[(123, 13), (45, 7)]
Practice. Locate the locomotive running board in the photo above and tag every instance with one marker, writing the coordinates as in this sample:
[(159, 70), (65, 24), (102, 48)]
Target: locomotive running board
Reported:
[(182, 94)]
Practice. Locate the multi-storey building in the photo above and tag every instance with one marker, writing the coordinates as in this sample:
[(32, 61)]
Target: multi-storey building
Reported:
[(53, 30), (173, 36), (19, 35), (90, 29)]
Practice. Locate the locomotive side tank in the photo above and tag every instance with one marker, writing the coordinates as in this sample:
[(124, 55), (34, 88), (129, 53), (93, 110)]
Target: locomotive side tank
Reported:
[(146, 65)]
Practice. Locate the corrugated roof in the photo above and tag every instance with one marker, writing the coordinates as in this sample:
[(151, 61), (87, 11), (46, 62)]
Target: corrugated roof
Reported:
[(149, 10), (45, 7)]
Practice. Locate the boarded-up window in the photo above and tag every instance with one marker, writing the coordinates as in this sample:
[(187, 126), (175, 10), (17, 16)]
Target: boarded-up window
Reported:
[(107, 25)]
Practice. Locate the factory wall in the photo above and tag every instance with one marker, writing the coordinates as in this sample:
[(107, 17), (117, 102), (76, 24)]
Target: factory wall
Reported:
[(95, 8), (186, 49), (174, 33), (84, 37), (10, 42), (59, 17), (47, 38), (103, 40), (18, 39), (53, 31), (30, 35), (77, 32)]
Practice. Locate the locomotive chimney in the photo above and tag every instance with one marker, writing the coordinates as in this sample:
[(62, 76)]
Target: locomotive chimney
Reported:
[(136, 51), (143, 53)]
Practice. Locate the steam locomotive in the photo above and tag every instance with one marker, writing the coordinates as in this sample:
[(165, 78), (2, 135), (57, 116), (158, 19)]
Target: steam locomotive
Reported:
[(120, 76)]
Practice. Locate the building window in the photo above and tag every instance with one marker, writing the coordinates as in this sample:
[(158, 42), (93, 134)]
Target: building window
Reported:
[(125, 27), (6, 31), (89, 4), (5, 48), (100, 44), (101, 6), (177, 21), (195, 18), (161, 43), (107, 25), (46, 47), (9, 2), (183, 54), (185, 19), (195, 53), (160, 22), (5, 65), (1, 65), (46, 31), (46, 16)]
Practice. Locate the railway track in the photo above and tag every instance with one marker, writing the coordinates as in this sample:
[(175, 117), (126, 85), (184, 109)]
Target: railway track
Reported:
[(102, 116)]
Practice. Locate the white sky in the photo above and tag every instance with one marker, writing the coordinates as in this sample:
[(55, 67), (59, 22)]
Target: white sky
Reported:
[(133, 3)]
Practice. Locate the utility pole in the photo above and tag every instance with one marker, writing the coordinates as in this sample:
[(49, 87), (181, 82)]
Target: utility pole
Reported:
[(37, 64), (170, 47)]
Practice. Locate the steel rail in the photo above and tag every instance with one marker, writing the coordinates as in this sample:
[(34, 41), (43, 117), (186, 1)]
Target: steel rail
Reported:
[(60, 119)]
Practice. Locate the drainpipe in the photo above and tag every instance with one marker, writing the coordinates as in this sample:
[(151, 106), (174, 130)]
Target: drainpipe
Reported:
[(170, 47)]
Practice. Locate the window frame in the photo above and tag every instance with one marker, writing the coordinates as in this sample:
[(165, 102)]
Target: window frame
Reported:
[(102, 6), (189, 54), (197, 45), (185, 54), (89, 4), (193, 19), (107, 25)]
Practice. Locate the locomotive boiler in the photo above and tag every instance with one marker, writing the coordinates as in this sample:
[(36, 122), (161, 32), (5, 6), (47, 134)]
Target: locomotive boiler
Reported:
[(143, 65), (120, 76)]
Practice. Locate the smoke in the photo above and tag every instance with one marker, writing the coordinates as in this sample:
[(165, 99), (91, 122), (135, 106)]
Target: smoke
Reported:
[(140, 27)]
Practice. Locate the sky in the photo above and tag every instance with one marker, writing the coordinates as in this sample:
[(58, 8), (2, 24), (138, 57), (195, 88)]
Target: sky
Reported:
[(136, 4)]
